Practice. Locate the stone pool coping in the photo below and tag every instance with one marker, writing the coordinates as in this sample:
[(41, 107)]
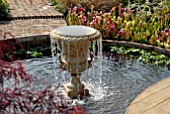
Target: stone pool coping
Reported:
[(44, 40), (153, 100), (138, 45)]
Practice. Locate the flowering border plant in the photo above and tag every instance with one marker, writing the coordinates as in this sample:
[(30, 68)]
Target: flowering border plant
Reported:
[(125, 24)]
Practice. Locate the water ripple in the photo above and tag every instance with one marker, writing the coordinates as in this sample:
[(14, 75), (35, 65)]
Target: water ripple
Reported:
[(122, 81)]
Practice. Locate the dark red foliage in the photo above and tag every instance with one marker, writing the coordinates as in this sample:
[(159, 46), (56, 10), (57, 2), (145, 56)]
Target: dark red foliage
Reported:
[(9, 44), (8, 70), (77, 110), (27, 101), (16, 99)]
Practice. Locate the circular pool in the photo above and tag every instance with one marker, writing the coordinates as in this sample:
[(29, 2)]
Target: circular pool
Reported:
[(121, 82)]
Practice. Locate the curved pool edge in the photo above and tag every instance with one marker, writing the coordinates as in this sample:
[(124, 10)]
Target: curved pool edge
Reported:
[(153, 100), (137, 45), (44, 40)]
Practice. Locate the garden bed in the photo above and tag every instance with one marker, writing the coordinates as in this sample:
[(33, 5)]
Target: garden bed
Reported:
[(143, 26)]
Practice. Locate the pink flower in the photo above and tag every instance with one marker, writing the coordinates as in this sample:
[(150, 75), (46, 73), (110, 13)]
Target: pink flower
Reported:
[(107, 30), (167, 16), (163, 32), (74, 10), (115, 23), (122, 31), (69, 9), (167, 34), (108, 22), (81, 9), (112, 27), (123, 24), (120, 10), (97, 18)]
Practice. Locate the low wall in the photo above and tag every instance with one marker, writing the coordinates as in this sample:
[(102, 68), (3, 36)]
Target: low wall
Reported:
[(29, 41), (34, 41), (44, 40), (137, 45)]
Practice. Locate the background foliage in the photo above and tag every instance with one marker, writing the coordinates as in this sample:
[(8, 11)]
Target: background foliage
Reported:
[(3, 8), (127, 24)]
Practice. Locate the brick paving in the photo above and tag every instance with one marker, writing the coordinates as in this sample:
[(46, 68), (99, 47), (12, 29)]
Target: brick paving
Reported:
[(23, 8), (31, 27)]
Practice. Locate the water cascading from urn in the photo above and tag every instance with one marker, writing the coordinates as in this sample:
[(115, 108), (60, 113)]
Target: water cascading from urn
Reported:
[(76, 57)]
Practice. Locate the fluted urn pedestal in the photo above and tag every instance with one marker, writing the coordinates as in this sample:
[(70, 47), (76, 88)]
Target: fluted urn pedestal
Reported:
[(73, 53)]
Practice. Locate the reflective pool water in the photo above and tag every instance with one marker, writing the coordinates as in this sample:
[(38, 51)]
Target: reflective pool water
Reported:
[(122, 81)]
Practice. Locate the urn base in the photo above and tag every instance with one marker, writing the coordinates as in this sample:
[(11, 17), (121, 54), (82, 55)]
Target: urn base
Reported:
[(76, 91)]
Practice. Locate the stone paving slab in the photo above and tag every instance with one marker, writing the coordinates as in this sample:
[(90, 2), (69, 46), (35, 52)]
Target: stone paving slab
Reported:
[(31, 27), (25, 8)]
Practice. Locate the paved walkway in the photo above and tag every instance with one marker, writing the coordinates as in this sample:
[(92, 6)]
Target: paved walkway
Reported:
[(31, 27), (25, 8), (30, 19), (154, 100)]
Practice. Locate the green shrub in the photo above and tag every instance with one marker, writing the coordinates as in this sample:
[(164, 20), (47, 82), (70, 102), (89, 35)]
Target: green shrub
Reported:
[(147, 6), (3, 8), (53, 2), (104, 5), (142, 55), (62, 5)]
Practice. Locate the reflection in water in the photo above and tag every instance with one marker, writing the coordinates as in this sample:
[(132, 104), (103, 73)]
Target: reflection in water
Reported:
[(122, 81)]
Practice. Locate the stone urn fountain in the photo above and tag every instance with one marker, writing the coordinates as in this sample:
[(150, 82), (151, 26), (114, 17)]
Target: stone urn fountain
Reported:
[(72, 49)]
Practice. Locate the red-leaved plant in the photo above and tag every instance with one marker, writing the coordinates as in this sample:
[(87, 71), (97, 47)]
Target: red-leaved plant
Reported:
[(15, 98)]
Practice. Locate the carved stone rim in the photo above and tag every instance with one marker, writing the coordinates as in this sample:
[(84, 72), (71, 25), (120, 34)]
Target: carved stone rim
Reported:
[(89, 37)]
